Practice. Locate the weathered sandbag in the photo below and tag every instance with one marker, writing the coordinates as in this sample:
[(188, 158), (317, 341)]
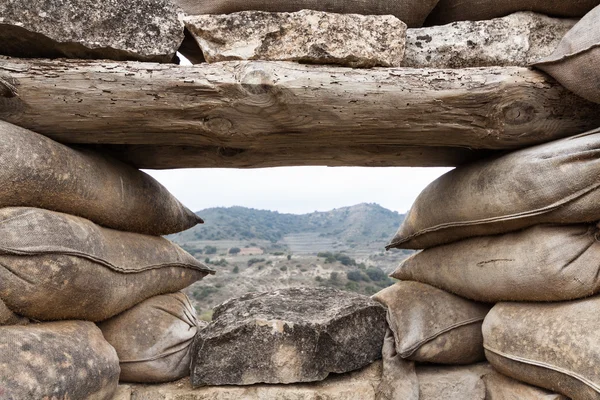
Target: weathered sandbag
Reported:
[(7, 317), (552, 345), (555, 182), (448, 11), (431, 325), (153, 339), (500, 387), (56, 266), (574, 63), (57, 360), (541, 263), (398, 376), (411, 12), (38, 172)]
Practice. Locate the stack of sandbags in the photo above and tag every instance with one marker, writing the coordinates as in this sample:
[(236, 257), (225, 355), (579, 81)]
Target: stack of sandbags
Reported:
[(521, 227), (79, 241)]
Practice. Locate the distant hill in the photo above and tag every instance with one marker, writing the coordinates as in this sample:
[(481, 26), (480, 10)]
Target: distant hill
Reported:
[(362, 223), (257, 250)]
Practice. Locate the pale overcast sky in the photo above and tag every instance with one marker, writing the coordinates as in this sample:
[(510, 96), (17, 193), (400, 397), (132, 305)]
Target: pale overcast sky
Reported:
[(297, 190)]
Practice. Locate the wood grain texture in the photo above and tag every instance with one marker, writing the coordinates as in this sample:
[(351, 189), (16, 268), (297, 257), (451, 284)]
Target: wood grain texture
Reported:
[(268, 107), (167, 157)]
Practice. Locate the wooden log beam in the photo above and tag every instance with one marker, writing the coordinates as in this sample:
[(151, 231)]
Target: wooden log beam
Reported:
[(168, 157), (266, 106)]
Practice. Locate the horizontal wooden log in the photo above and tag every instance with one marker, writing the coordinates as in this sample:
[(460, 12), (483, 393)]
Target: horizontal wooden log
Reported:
[(167, 157), (266, 106)]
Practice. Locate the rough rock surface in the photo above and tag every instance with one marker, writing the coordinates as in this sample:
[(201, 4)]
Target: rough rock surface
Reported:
[(360, 385), (452, 383), (472, 382), (306, 36), (145, 30), (286, 336), (412, 12), (486, 43)]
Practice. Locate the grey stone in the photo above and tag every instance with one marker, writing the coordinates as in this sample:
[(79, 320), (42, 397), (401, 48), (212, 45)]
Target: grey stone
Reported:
[(359, 385), (519, 39), (306, 36), (286, 336), (452, 383), (144, 30), (470, 382)]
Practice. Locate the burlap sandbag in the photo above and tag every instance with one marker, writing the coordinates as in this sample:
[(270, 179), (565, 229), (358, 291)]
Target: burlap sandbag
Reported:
[(153, 339), (56, 266), (574, 63), (541, 263), (38, 172), (431, 325), (552, 345), (555, 182), (57, 360), (448, 11), (500, 387), (411, 12), (7, 317)]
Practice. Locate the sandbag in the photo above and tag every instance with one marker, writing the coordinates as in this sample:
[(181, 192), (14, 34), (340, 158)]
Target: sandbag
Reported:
[(57, 360), (448, 11), (552, 345), (411, 12), (153, 339), (555, 182), (574, 63), (431, 325), (38, 172), (500, 387), (7, 317), (56, 266), (541, 263)]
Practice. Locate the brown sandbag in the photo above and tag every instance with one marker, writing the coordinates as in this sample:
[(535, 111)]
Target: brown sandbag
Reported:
[(500, 387), (57, 266), (38, 172), (552, 345), (431, 325), (411, 12), (448, 11), (574, 63), (57, 360), (541, 263), (7, 317), (555, 182), (153, 339)]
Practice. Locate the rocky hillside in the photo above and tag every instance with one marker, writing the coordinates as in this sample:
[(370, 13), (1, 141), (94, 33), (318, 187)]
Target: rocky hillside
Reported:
[(256, 250)]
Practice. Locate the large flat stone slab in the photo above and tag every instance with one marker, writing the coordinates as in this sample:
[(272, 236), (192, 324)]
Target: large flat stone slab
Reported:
[(360, 385), (471, 382), (306, 36), (145, 30), (518, 39), (287, 336)]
